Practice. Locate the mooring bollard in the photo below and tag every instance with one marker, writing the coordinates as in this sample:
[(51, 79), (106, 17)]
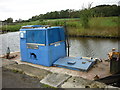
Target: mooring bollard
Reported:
[(7, 53), (114, 57)]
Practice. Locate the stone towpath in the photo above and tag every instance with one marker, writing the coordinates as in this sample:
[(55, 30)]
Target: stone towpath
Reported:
[(50, 78)]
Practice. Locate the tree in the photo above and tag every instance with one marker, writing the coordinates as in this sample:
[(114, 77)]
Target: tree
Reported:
[(9, 20), (19, 20), (85, 15)]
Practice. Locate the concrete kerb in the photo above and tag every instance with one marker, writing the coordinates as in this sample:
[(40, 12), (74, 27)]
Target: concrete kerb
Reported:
[(55, 79), (29, 70)]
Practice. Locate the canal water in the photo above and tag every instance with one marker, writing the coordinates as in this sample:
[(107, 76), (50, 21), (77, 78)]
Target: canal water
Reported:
[(9, 40), (92, 47)]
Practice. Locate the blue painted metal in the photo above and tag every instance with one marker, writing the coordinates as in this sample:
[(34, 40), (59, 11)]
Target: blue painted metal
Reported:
[(41, 45), (46, 46), (75, 63), (33, 26)]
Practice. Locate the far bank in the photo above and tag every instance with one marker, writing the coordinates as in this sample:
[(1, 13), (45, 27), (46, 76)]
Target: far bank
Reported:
[(98, 26)]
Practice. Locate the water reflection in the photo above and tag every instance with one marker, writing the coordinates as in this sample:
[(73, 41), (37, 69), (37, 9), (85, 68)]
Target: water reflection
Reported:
[(92, 47)]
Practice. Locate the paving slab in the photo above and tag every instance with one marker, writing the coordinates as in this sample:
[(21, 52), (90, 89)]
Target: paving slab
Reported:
[(76, 82), (29, 70), (55, 79)]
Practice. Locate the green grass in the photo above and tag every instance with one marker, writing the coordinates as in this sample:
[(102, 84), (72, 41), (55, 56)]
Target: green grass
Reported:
[(98, 26), (47, 86), (17, 71), (101, 26)]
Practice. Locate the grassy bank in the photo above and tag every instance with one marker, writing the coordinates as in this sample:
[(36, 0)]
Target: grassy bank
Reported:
[(102, 26), (98, 26)]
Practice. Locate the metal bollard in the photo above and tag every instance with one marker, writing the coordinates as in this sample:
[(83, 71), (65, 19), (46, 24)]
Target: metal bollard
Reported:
[(7, 53), (115, 63)]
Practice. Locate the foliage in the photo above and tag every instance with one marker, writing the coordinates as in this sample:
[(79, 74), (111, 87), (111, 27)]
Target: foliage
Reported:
[(98, 11), (17, 71), (106, 10), (85, 16), (98, 26), (47, 86), (9, 20)]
